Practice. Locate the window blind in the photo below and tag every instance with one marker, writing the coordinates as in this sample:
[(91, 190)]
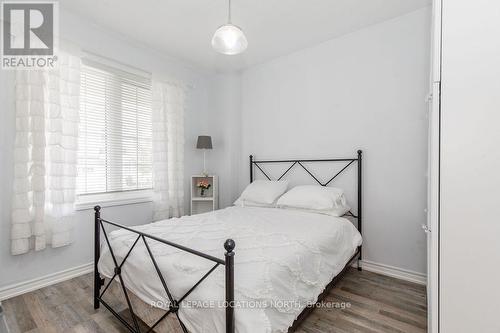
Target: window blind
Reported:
[(115, 142)]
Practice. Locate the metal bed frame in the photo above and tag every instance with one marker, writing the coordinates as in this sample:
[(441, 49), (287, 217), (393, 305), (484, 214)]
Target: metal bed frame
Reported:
[(227, 262)]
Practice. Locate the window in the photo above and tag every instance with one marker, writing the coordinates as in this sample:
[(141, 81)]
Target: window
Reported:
[(115, 143)]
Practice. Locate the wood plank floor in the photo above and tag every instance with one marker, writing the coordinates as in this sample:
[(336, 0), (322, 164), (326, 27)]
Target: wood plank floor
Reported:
[(374, 303)]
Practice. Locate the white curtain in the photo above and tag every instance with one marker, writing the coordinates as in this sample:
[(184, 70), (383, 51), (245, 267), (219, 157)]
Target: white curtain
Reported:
[(47, 105), (168, 149)]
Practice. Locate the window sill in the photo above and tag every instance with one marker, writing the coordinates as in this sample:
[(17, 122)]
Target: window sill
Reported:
[(86, 202)]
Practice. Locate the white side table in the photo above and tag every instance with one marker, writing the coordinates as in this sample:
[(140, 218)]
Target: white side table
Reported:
[(210, 200)]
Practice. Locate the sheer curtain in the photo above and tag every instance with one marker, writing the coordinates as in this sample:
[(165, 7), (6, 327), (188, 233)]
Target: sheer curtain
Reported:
[(168, 149), (47, 106)]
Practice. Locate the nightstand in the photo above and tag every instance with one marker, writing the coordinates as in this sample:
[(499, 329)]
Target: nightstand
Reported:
[(210, 200)]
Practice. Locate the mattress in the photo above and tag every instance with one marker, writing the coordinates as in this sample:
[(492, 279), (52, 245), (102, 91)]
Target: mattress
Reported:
[(283, 260)]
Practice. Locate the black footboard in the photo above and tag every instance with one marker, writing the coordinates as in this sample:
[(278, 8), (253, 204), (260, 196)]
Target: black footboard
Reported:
[(174, 303)]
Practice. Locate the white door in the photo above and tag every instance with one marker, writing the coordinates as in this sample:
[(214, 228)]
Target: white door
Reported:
[(469, 271)]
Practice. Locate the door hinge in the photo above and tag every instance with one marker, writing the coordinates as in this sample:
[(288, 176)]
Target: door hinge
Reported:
[(429, 97), (426, 228)]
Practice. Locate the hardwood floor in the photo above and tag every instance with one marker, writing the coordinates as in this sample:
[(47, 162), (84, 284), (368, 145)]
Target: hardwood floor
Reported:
[(377, 304)]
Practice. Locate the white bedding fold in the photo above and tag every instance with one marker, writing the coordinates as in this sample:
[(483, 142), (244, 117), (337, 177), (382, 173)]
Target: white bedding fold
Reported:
[(283, 260)]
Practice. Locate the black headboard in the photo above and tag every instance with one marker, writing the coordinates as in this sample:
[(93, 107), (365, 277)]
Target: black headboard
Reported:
[(348, 162)]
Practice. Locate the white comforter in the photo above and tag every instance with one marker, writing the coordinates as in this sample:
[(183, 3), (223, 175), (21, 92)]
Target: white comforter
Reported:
[(283, 259)]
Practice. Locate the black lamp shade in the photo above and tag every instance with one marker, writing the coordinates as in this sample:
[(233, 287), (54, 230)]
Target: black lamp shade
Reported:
[(204, 142)]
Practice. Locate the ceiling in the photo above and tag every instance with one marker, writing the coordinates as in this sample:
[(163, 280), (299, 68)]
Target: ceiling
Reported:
[(184, 28)]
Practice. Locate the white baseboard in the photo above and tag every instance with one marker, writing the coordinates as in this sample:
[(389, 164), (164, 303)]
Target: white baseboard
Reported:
[(44, 281), (394, 272)]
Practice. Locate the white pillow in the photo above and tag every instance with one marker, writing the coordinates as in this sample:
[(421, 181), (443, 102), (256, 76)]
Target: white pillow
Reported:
[(246, 203), (340, 211), (264, 191), (313, 197)]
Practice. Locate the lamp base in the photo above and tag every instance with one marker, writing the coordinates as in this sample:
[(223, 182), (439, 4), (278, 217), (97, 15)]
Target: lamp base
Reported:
[(204, 173)]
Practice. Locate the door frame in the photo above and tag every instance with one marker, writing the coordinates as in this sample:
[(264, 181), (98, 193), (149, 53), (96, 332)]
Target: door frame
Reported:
[(434, 165)]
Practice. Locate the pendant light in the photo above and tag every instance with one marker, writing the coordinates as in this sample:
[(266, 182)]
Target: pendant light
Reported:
[(229, 39)]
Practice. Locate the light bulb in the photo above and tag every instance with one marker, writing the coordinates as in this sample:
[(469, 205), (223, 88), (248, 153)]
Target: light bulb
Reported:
[(229, 40)]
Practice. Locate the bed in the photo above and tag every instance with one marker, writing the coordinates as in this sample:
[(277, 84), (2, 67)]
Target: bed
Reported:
[(277, 264)]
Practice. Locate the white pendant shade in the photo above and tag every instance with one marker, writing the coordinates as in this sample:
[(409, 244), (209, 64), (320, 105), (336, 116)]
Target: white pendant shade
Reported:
[(229, 39)]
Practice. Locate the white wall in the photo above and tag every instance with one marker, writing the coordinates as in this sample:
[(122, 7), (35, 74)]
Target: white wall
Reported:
[(364, 90), (224, 125), (105, 43), (470, 167)]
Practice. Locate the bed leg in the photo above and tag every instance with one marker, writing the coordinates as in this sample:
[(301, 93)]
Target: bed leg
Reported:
[(97, 250), (360, 205), (359, 261), (229, 246)]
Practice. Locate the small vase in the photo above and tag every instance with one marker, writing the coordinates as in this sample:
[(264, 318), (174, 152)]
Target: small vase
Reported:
[(202, 192)]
